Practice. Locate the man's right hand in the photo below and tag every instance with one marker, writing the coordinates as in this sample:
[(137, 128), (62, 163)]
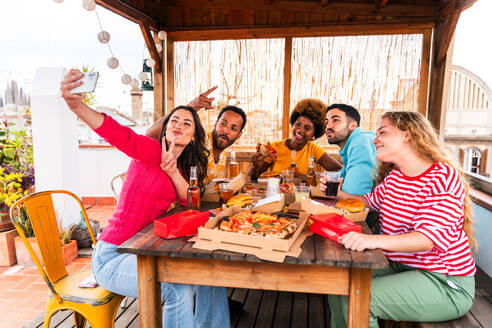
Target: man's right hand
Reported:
[(203, 101)]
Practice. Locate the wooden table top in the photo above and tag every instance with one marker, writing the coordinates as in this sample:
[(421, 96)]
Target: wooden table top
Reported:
[(316, 250)]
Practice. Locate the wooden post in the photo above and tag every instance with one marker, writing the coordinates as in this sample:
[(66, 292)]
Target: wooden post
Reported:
[(149, 293), (424, 72), (287, 85), (438, 93), (169, 74), (159, 85), (359, 297)]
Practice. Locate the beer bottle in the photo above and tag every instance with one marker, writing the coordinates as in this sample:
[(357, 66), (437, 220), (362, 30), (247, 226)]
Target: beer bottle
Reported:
[(293, 164), (311, 176), (233, 166), (193, 194)]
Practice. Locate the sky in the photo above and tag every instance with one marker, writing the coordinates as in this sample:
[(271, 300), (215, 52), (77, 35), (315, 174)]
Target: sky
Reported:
[(43, 33)]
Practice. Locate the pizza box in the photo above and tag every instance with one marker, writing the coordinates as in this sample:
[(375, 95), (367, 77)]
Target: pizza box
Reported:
[(270, 204), (237, 183), (313, 207), (210, 194), (224, 238), (262, 254)]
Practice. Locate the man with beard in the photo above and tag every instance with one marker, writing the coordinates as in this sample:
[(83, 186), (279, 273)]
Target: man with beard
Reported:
[(356, 148), (228, 128)]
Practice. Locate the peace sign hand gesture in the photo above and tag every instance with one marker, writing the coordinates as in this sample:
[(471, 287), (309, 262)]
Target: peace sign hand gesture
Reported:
[(168, 160)]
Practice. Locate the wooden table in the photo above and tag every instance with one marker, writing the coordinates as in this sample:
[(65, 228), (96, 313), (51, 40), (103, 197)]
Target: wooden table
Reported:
[(323, 267)]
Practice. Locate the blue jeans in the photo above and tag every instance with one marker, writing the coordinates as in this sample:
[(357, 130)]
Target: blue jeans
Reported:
[(117, 272)]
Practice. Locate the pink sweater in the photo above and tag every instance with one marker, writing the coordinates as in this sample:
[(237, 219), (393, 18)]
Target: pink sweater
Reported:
[(147, 191)]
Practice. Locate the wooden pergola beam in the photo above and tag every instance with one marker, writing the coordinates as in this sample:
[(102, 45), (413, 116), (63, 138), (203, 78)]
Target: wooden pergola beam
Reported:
[(131, 13), (347, 29), (149, 41)]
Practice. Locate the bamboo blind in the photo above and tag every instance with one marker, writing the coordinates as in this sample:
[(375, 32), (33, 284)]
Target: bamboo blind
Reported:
[(372, 73)]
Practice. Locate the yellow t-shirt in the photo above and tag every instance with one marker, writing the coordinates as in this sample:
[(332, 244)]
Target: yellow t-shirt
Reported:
[(302, 156)]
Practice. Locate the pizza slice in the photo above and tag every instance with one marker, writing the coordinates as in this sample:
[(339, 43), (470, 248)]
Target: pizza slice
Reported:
[(268, 151)]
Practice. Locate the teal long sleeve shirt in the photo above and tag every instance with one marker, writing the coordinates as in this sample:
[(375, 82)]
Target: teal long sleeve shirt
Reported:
[(359, 162)]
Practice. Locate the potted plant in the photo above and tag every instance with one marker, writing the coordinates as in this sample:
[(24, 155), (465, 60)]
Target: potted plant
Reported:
[(69, 247)]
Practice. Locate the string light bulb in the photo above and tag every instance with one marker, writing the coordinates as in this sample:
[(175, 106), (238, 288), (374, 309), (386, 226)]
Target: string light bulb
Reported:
[(89, 4), (59, 1), (103, 37), (134, 83), (143, 76), (150, 62), (126, 79), (162, 35), (113, 62)]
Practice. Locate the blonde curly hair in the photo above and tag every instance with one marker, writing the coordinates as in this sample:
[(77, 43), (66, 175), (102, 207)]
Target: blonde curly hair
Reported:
[(425, 142)]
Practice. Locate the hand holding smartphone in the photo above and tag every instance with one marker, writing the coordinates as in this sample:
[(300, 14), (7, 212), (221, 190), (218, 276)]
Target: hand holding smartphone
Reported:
[(89, 81)]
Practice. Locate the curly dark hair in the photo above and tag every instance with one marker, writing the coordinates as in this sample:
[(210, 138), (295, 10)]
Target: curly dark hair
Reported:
[(195, 153), (312, 109)]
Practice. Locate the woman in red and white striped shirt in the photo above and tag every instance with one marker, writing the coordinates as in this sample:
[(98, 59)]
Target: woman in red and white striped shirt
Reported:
[(426, 228)]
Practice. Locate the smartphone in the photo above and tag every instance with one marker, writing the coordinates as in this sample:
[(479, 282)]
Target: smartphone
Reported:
[(89, 81)]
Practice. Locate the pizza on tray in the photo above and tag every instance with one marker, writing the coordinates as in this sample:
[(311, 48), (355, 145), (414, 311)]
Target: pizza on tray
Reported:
[(259, 224)]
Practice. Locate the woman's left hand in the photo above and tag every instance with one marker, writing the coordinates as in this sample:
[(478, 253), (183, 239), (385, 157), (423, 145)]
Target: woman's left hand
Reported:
[(358, 241), (168, 160)]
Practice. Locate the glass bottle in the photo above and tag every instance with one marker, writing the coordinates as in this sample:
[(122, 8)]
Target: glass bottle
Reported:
[(193, 194), (293, 165), (233, 166), (311, 175)]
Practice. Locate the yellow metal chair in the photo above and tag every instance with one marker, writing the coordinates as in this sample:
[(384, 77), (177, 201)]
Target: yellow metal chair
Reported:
[(96, 305)]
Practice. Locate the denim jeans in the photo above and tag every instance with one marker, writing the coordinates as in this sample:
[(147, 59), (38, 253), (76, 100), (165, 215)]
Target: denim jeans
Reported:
[(117, 272)]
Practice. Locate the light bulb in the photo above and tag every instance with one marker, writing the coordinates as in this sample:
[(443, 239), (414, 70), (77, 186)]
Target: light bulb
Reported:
[(162, 35), (103, 37), (142, 76), (89, 4), (126, 79), (134, 83), (158, 46), (112, 62), (59, 1), (150, 62)]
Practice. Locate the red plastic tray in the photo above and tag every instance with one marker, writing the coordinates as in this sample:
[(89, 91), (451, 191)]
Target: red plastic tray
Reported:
[(332, 226), (181, 224)]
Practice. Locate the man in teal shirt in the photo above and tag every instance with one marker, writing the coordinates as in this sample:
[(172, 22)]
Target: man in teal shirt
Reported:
[(356, 148)]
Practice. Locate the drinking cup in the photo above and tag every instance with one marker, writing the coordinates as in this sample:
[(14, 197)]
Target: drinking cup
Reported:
[(332, 179), (301, 192), (288, 176), (273, 187), (225, 192)]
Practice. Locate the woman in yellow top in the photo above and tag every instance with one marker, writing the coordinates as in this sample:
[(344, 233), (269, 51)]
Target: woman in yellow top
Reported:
[(308, 123)]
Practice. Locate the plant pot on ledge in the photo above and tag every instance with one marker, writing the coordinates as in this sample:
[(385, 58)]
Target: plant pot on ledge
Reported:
[(5, 222), (70, 251)]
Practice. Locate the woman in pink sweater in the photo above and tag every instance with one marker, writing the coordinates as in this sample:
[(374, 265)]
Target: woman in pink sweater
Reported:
[(157, 176)]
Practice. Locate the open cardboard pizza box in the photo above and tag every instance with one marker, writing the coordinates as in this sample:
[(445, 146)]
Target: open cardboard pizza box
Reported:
[(265, 248), (288, 197), (313, 207)]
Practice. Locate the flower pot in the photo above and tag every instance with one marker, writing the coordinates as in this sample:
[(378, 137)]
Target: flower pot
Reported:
[(7, 247), (5, 222), (70, 251)]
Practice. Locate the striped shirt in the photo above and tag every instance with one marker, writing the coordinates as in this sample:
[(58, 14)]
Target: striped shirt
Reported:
[(432, 204)]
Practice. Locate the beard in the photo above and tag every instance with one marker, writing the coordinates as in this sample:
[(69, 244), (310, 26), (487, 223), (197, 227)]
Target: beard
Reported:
[(339, 137), (219, 144)]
